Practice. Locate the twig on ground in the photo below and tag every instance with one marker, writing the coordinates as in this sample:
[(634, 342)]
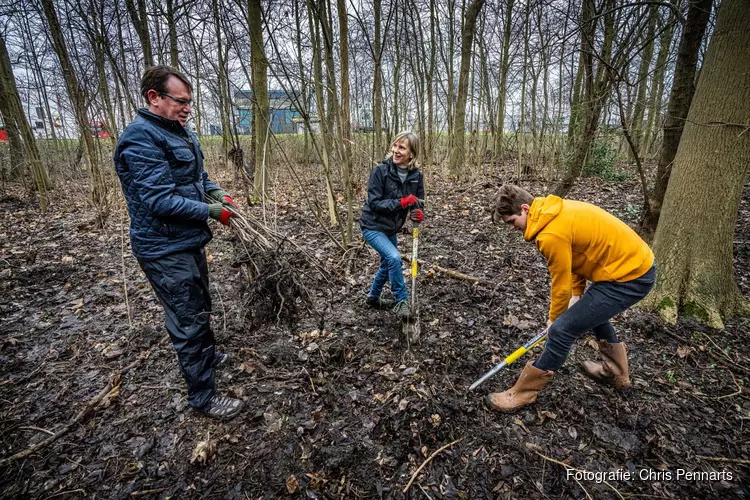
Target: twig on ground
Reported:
[(568, 467), (112, 387), (223, 310), (724, 459), (32, 428), (67, 492), (739, 389), (449, 272), (434, 454), (147, 492), (124, 276), (722, 359)]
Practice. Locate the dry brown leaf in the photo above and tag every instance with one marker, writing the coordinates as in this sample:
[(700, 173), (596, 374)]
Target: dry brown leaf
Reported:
[(544, 415), (292, 485), (435, 419), (683, 351), (204, 451), (316, 480), (520, 423)]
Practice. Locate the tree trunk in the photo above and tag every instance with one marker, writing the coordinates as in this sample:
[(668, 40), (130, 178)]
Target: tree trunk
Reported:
[(458, 135), (223, 81), (657, 85), (78, 98), (595, 90), (320, 104), (636, 123), (377, 84), (503, 87), (397, 40), (261, 132), (140, 22), (174, 54), (520, 170), (679, 104), (694, 239), (346, 133), (22, 145)]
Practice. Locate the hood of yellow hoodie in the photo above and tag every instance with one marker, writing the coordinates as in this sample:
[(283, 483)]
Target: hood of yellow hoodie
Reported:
[(541, 213)]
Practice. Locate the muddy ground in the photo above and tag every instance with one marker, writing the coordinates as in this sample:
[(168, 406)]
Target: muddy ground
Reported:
[(337, 407)]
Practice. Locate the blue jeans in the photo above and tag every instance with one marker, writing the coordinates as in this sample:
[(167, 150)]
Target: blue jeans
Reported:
[(390, 264), (601, 302)]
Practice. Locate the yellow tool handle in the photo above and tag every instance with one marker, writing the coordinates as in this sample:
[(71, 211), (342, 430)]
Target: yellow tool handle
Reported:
[(415, 236), (510, 359), (526, 348)]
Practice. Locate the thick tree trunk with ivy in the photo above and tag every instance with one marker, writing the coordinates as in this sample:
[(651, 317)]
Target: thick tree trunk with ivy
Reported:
[(694, 239), (458, 134), (683, 88)]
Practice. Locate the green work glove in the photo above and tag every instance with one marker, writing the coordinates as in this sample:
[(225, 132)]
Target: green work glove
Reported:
[(218, 212), (222, 196)]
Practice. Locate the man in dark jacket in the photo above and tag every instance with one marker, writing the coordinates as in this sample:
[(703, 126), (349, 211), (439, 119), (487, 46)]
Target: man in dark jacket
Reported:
[(170, 198)]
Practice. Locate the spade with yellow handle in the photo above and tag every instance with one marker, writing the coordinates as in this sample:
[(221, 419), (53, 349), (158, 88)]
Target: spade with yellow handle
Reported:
[(541, 336)]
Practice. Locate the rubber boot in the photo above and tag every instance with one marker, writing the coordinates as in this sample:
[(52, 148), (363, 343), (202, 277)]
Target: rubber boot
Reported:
[(531, 381), (613, 371)]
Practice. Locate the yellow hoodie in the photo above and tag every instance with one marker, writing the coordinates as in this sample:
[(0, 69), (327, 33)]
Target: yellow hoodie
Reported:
[(583, 242)]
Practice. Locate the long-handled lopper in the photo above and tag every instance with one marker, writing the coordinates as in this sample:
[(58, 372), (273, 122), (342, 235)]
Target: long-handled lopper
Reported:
[(510, 359)]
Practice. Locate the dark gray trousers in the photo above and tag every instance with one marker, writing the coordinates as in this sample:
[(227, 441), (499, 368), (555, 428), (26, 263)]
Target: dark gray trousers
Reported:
[(601, 302), (180, 280)]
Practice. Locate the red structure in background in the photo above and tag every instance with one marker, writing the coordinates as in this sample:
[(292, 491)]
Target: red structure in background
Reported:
[(99, 130), (3, 134)]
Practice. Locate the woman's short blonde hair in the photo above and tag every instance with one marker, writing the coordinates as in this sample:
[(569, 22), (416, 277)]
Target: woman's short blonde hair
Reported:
[(413, 140)]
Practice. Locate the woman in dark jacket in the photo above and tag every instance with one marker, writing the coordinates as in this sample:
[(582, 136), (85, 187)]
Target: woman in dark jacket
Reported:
[(394, 191)]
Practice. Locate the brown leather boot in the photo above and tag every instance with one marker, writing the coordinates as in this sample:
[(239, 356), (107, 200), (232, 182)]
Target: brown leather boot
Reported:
[(613, 370), (531, 381)]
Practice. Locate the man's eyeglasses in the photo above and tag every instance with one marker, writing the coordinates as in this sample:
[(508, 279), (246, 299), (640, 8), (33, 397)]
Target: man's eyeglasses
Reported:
[(184, 102)]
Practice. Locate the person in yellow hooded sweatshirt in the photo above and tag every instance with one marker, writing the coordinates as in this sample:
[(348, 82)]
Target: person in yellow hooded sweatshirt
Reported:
[(581, 243)]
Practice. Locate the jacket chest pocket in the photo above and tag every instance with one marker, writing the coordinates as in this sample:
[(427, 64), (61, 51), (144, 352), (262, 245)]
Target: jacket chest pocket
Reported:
[(393, 188), (412, 186), (184, 169)]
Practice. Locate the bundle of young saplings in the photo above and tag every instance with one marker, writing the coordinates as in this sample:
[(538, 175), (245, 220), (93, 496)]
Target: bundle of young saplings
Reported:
[(272, 271)]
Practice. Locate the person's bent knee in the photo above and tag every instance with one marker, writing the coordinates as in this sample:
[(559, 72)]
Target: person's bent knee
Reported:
[(393, 259)]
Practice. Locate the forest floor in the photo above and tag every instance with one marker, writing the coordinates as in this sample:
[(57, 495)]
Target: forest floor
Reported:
[(337, 406)]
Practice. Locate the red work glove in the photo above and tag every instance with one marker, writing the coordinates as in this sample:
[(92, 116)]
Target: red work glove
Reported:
[(228, 199), (218, 212), (409, 201), (417, 215)]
